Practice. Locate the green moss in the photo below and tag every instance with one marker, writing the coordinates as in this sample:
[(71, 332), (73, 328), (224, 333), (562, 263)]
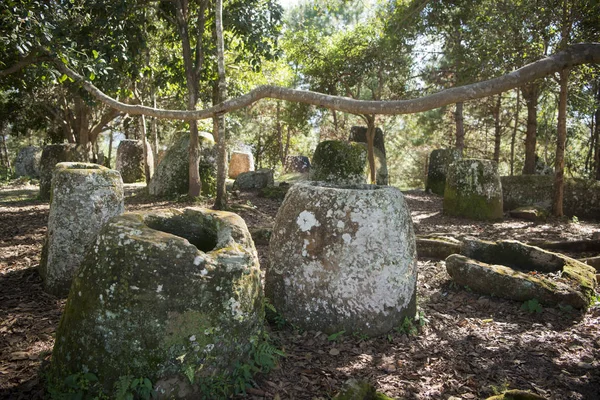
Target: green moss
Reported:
[(471, 205), (439, 160), (358, 390), (339, 162)]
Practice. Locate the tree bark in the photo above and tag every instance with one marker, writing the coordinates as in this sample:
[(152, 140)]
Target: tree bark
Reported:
[(584, 53), (597, 150), (530, 94), (181, 11), (514, 134), (561, 133), (371, 147), (145, 146), (219, 120), (460, 127), (497, 129)]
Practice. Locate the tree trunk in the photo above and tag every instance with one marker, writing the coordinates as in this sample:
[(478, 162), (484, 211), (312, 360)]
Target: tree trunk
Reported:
[(588, 167), (497, 129), (561, 133), (514, 134), (154, 132), (530, 94), (195, 184), (370, 147), (145, 146), (460, 127), (5, 149), (279, 130), (110, 144), (597, 149), (219, 120)]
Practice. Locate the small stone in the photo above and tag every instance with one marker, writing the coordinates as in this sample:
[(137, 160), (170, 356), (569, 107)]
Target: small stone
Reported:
[(254, 180), (334, 352), (240, 162)]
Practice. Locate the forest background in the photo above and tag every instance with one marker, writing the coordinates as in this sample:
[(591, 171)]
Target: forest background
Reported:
[(165, 54)]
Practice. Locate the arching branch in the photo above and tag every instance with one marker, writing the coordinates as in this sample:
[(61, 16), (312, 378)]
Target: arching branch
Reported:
[(585, 53)]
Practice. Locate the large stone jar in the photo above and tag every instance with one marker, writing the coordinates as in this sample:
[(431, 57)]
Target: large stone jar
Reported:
[(53, 154), (130, 160), (473, 190), (28, 162), (173, 295), (240, 162), (343, 258), (84, 197), (439, 161)]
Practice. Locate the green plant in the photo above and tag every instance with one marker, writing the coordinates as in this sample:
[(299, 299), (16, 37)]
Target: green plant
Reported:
[(272, 316), (360, 336), (532, 306), (130, 388), (335, 337), (575, 220), (407, 327), (86, 385)]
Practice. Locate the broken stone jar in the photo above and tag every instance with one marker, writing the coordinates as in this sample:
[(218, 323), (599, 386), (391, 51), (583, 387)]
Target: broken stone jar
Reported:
[(84, 197), (173, 295), (343, 258)]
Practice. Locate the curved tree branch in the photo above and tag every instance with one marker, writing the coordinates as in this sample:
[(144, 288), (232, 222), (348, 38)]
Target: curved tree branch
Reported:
[(585, 53)]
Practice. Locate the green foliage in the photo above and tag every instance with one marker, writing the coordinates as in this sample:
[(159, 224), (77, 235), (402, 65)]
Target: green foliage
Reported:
[(336, 337), (85, 385), (273, 316), (408, 328), (532, 306)]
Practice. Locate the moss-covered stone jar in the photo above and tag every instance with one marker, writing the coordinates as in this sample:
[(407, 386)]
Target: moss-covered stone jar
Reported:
[(172, 173), (339, 163), (240, 162), (343, 258), (53, 154), (174, 296), (130, 160), (439, 161), (473, 190), (84, 197)]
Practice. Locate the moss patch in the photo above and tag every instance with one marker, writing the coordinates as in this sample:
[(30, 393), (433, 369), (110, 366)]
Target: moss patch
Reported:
[(339, 162)]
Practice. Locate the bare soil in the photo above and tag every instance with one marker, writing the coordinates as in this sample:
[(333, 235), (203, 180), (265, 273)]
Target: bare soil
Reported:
[(467, 346)]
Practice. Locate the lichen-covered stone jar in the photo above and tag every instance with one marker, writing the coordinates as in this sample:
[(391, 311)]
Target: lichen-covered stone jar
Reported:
[(130, 160), (343, 258), (439, 161), (84, 197), (174, 296), (53, 154), (473, 190)]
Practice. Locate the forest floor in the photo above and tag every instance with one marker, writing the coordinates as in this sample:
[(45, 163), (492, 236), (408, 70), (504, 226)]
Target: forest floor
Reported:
[(468, 347)]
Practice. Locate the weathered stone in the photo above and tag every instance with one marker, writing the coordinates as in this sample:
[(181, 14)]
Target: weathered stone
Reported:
[(439, 161), (297, 164), (503, 269), (531, 213), (508, 283), (28, 162), (438, 247), (343, 258), (52, 155), (581, 196), (261, 236), (254, 180), (130, 160), (275, 192), (358, 134), (473, 190), (340, 163), (240, 162), (84, 197), (173, 295), (381, 171), (172, 174)]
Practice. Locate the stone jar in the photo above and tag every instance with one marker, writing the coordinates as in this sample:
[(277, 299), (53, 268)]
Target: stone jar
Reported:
[(130, 160), (28, 162), (53, 154), (240, 162), (439, 160), (173, 295), (473, 190), (84, 197), (343, 258)]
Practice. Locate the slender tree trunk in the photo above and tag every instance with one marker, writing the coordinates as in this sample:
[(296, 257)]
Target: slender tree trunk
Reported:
[(460, 127), (530, 94), (5, 149), (592, 144), (110, 144), (561, 133), (219, 120), (145, 146), (195, 184), (370, 147), (514, 134), (497, 129), (154, 132), (279, 134)]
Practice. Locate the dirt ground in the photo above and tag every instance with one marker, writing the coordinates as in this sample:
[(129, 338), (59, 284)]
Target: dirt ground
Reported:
[(468, 347)]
